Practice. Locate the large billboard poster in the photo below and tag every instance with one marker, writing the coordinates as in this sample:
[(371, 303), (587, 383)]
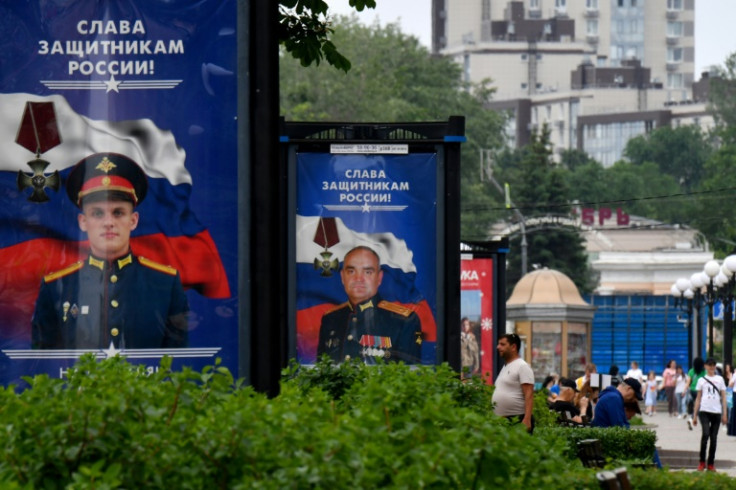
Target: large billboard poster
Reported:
[(118, 196), (476, 323), (366, 257)]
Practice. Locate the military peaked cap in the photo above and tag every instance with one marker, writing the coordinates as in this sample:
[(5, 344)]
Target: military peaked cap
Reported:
[(109, 173)]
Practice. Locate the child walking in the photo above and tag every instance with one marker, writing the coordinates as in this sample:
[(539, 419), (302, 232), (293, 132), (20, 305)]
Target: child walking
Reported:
[(650, 400), (681, 393)]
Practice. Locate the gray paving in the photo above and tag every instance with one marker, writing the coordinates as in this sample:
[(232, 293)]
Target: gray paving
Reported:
[(679, 447)]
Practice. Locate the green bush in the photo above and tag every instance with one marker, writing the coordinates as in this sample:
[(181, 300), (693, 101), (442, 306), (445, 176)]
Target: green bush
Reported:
[(618, 443), (113, 425)]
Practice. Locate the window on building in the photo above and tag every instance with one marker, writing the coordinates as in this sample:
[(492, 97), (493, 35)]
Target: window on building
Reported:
[(674, 55), (675, 80), (633, 3), (620, 3), (674, 29), (591, 4), (592, 27), (561, 5), (533, 4), (546, 348), (620, 26), (485, 10), (524, 56), (633, 26), (674, 4), (523, 86), (577, 349)]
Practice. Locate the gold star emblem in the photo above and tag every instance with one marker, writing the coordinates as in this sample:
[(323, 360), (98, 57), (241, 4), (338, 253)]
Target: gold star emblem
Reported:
[(105, 165)]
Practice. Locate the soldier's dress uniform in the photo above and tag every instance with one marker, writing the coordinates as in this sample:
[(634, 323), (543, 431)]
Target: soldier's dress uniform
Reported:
[(131, 302), (372, 329)]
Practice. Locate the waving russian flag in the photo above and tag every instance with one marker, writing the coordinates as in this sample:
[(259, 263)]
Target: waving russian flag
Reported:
[(320, 288), (39, 237)]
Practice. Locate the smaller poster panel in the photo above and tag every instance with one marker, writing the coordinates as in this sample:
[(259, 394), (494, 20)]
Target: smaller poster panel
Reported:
[(366, 257), (476, 307)]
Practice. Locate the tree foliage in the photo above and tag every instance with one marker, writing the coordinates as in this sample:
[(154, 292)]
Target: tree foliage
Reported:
[(680, 152), (305, 30), (539, 188), (395, 79)]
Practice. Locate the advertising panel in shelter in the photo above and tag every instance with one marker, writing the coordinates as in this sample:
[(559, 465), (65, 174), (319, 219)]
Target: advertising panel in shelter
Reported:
[(118, 166), (366, 253), (476, 307)]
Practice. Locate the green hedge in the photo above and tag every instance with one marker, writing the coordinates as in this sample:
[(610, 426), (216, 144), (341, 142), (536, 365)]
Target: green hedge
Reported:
[(113, 425)]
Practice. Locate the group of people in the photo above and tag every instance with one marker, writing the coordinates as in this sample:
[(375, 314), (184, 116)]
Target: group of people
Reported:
[(699, 396)]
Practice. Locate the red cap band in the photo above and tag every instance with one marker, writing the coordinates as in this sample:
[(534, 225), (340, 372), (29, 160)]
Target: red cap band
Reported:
[(107, 183)]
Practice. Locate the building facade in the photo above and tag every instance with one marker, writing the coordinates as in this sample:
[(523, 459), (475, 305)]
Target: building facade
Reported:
[(595, 72)]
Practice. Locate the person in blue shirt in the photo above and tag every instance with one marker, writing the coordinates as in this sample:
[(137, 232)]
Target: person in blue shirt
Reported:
[(609, 411)]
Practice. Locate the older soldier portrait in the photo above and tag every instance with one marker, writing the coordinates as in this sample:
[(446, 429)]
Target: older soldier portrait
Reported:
[(113, 298), (366, 326)]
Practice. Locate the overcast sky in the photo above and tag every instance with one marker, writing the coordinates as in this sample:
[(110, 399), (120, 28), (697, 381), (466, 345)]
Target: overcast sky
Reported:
[(715, 24)]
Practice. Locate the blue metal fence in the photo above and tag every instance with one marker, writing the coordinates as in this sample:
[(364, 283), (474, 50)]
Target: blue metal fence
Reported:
[(647, 329)]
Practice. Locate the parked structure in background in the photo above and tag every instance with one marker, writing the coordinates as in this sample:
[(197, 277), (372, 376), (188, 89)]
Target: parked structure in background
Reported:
[(589, 69)]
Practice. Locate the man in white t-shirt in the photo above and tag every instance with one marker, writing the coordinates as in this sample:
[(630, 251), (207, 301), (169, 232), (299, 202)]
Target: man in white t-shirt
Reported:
[(513, 397), (710, 410), (635, 372)]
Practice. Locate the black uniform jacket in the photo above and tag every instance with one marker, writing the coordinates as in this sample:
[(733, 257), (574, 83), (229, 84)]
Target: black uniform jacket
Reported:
[(131, 302), (370, 330)]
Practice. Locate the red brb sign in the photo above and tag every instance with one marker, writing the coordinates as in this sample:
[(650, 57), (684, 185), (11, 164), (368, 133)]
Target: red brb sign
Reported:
[(604, 214)]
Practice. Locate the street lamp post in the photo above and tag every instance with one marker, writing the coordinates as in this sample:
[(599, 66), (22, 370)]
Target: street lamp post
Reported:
[(682, 290), (697, 281), (729, 268), (711, 269)]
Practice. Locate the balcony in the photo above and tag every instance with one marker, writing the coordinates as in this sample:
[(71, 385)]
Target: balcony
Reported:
[(592, 13), (673, 65), (673, 14), (673, 40)]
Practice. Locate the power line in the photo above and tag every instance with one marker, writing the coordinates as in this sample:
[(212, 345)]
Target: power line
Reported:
[(481, 207)]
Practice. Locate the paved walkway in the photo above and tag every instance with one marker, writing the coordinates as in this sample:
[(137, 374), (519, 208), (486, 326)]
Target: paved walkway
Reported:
[(679, 447)]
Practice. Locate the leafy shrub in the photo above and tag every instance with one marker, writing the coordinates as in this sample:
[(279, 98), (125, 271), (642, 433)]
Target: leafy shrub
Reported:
[(678, 480), (113, 425), (618, 443)]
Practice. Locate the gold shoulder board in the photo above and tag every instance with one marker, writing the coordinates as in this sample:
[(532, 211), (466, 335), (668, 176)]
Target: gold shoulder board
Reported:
[(394, 308), (63, 272), (335, 308), (166, 269)]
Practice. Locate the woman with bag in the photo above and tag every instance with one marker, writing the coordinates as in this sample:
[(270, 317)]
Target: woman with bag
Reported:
[(710, 409)]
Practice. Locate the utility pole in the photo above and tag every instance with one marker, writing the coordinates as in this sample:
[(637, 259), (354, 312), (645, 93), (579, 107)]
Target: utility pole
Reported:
[(486, 172)]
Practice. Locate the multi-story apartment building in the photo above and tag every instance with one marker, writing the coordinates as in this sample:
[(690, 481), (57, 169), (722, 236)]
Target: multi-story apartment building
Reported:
[(597, 72)]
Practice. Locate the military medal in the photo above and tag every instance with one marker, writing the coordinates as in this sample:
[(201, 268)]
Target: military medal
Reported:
[(375, 346), (65, 309), (38, 132), (326, 236)]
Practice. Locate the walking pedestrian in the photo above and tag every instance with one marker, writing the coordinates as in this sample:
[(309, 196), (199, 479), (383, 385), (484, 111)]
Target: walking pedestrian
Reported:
[(513, 396), (681, 392), (710, 409), (669, 381), (650, 400), (694, 374), (635, 372)]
